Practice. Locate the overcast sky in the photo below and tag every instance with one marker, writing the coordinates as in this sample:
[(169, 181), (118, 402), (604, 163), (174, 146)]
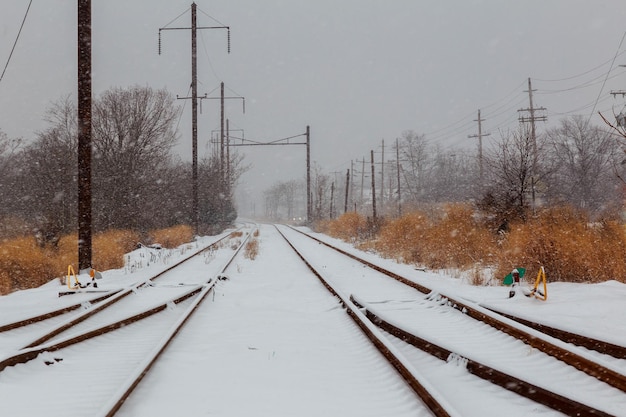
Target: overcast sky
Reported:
[(356, 71)]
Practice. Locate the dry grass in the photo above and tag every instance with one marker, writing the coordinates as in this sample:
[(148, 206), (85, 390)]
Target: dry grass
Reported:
[(24, 264), (172, 237), (109, 248), (252, 249), (449, 239), (569, 246), (351, 227)]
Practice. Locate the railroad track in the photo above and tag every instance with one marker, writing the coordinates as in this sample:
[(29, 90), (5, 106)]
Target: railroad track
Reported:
[(82, 305), (131, 335), (520, 363), (446, 375)]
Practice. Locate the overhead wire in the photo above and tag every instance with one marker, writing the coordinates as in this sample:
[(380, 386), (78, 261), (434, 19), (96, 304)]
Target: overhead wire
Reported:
[(582, 73), (177, 17), (603, 84), (16, 39)]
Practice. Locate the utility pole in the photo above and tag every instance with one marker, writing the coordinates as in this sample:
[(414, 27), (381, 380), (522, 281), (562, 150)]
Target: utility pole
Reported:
[(382, 179), (480, 146), (194, 107), (373, 186), (309, 210), (332, 200), (398, 172), (224, 159), (345, 204), (362, 177), (84, 135), (352, 184), (533, 135), (228, 179)]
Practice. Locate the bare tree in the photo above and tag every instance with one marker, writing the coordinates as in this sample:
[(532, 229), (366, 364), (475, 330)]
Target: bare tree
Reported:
[(511, 172), (47, 176), (10, 168), (619, 133), (282, 199), (321, 191), (414, 155), (584, 157), (133, 131)]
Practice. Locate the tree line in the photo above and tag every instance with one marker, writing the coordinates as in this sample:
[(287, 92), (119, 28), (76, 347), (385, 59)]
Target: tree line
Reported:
[(576, 164), (138, 183)]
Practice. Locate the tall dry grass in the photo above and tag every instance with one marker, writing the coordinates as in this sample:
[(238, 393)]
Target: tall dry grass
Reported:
[(172, 237), (24, 264), (568, 245), (564, 241), (451, 238)]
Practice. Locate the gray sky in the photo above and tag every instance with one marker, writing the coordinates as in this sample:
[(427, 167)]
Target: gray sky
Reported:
[(356, 71)]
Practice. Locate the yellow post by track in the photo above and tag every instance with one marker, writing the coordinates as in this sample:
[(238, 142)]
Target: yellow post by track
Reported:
[(536, 292), (71, 273)]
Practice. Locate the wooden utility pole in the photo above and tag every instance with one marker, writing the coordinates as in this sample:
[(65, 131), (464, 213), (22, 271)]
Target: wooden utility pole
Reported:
[(194, 107), (309, 210), (362, 178), (222, 162), (480, 136), (228, 179), (345, 204), (84, 135), (398, 172), (194, 122), (373, 185), (533, 135), (332, 200), (382, 179)]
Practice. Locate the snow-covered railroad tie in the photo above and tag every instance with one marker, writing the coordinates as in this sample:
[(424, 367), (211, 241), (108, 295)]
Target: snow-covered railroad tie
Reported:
[(465, 330), (112, 350)]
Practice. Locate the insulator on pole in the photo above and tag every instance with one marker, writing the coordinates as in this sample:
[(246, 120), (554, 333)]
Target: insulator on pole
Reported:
[(159, 41), (229, 40), (244, 105)]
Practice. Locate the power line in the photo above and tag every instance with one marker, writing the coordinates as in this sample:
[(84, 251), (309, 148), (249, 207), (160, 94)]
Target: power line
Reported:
[(612, 63), (582, 73), (16, 39)]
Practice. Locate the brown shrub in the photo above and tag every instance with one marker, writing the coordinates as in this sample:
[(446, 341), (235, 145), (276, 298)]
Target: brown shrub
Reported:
[(449, 239), (109, 248), (349, 227), (458, 240), (172, 237), (402, 238), (568, 245), (23, 265)]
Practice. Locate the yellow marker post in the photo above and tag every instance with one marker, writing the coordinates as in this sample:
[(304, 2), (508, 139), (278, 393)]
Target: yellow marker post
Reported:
[(541, 277), (71, 273)]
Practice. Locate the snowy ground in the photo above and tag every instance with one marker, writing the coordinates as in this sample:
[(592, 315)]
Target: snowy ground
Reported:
[(230, 367)]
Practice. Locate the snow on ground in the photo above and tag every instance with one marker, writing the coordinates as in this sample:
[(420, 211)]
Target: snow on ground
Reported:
[(234, 367), (597, 310)]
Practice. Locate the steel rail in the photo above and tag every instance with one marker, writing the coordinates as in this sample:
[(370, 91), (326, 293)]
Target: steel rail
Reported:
[(430, 399), (33, 349), (521, 387), (579, 362), (590, 343), (116, 402), (98, 300)]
